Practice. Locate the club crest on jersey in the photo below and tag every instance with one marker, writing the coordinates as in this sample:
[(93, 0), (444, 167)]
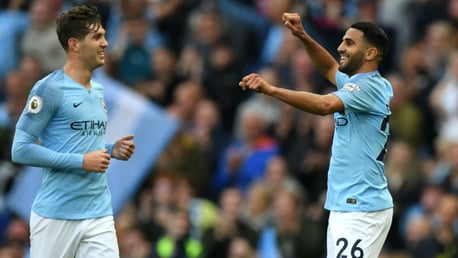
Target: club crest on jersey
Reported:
[(102, 103), (351, 87), (35, 105)]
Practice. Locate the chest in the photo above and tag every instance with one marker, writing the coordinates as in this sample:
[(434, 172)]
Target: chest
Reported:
[(81, 107)]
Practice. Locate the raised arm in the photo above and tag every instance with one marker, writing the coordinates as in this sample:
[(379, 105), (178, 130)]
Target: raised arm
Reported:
[(321, 58)]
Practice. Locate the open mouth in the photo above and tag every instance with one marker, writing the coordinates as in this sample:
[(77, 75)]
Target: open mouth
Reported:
[(343, 59)]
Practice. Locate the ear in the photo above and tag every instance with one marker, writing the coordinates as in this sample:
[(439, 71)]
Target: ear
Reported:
[(371, 53), (73, 45)]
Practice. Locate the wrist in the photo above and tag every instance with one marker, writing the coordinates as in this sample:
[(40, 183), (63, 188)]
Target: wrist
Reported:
[(109, 148), (272, 91)]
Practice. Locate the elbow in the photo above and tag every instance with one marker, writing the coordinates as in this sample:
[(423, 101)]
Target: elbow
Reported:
[(329, 105), (21, 147), (17, 153), (15, 157), (325, 109)]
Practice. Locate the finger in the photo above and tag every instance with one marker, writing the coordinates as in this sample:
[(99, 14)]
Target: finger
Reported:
[(128, 137), (128, 152), (256, 82), (127, 147), (244, 86), (285, 16), (101, 168), (125, 153), (122, 150), (105, 162), (250, 79), (130, 144), (244, 82), (290, 26), (130, 148), (106, 156)]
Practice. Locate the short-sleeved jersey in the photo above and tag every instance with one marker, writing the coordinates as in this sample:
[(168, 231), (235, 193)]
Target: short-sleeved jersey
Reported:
[(68, 120), (356, 177)]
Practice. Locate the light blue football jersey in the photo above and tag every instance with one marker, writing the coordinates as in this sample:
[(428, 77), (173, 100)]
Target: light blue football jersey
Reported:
[(356, 177), (69, 121)]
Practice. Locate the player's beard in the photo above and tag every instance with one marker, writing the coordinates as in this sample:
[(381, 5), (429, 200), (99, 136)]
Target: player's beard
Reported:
[(352, 64)]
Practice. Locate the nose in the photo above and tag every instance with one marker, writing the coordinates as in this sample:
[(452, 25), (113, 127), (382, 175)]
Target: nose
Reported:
[(341, 48), (104, 43)]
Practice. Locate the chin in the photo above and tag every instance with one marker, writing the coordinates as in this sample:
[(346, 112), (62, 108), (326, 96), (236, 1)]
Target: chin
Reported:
[(346, 70), (100, 62), (342, 69)]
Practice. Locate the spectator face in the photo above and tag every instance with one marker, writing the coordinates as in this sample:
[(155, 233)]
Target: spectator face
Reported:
[(178, 224), (286, 210), (231, 202), (240, 248)]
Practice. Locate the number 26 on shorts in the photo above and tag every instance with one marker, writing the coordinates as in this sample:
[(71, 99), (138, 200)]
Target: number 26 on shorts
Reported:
[(355, 251)]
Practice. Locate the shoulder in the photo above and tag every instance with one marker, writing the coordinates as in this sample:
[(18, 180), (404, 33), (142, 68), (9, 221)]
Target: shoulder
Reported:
[(341, 79), (49, 89), (369, 81), (53, 81), (373, 77)]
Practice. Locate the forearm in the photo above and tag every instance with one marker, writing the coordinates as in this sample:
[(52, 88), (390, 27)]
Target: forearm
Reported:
[(25, 151), (321, 58), (307, 101)]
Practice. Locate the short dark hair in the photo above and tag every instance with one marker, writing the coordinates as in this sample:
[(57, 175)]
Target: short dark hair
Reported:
[(374, 35), (77, 23)]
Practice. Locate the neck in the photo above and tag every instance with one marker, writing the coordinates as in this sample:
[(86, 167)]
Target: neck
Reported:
[(78, 73), (369, 67)]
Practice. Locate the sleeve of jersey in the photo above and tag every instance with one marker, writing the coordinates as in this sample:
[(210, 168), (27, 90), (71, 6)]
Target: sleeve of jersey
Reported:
[(356, 98), (341, 79), (26, 151), (41, 106), (109, 147)]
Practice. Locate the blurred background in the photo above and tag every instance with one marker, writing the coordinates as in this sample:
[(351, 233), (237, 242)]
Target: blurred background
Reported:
[(224, 173)]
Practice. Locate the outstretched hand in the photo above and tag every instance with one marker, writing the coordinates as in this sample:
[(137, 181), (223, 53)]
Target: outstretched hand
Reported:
[(124, 148), (254, 82)]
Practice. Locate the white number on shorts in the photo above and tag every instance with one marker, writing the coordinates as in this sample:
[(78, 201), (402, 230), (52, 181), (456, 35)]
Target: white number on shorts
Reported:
[(356, 251)]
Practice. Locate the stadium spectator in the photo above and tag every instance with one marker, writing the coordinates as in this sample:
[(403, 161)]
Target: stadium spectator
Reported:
[(217, 239), (40, 39), (244, 160)]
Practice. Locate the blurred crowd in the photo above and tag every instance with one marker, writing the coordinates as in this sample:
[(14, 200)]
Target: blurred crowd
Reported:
[(245, 175)]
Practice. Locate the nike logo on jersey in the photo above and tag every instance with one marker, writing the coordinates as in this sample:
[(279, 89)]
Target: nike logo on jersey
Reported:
[(75, 105)]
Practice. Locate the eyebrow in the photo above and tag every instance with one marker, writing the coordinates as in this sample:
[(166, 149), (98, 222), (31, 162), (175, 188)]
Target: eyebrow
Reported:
[(98, 33), (349, 40)]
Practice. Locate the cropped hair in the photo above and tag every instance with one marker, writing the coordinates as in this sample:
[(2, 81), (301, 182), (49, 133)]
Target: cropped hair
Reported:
[(77, 23), (374, 35)]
